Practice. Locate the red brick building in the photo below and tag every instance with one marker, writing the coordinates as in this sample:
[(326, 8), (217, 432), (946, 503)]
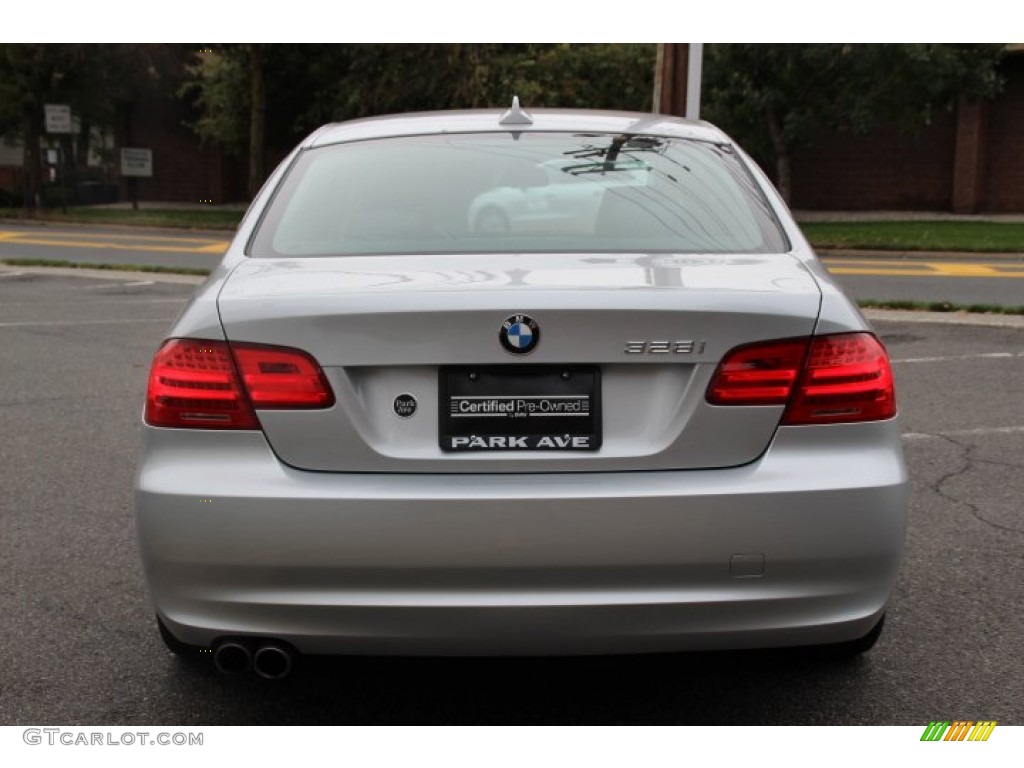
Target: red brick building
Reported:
[(970, 160), (185, 169)]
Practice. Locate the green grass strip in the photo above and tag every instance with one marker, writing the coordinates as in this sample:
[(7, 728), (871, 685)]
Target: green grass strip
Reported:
[(961, 236), (214, 218), (941, 306)]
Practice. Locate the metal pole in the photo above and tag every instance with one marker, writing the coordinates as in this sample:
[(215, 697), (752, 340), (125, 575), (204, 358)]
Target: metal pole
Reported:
[(693, 73)]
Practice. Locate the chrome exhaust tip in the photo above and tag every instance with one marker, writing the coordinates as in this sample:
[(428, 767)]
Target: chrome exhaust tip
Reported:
[(272, 662), (232, 658)]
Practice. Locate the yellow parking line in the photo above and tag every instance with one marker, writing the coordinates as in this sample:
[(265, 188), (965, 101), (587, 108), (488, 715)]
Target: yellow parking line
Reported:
[(923, 268), (966, 270), (880, 271), (211, 247), (7, 234), (919, 261)]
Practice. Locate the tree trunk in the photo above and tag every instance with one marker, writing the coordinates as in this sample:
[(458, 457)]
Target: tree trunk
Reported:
[(82, 146), (257, 119), (671, 68), (126, 139), (783, 163), (31, 160)]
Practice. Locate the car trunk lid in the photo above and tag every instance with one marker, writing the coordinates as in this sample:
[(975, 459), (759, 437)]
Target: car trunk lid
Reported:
[(390, 330)]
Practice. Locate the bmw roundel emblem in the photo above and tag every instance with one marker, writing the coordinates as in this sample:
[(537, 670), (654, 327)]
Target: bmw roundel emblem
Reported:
[(519, 334)]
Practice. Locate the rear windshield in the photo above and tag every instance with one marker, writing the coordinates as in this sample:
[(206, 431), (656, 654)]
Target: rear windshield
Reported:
[(518, 193)]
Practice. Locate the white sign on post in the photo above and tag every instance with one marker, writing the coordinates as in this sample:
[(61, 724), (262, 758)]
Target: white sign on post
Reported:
[(136, 162), (58, 118)]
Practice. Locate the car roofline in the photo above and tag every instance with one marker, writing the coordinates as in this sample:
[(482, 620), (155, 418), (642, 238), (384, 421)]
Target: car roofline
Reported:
[(487, 121)]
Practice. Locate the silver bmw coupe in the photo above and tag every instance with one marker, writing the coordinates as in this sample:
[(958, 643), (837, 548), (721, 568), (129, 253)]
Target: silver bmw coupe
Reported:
[(489, 382)]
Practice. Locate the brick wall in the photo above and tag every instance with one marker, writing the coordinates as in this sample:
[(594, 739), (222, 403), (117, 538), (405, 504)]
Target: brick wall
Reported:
[(184, 170), (10, 165), (9, 176), (968, 160), (1003, 189), (884, 170)]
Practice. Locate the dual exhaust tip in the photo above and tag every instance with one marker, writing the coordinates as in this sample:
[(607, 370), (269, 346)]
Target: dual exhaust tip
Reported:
[(270, 660)]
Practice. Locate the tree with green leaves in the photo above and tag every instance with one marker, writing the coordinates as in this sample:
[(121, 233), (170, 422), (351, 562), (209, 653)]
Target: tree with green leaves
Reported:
[(99, 83), (776, 98), (31, 76), (248, 99)]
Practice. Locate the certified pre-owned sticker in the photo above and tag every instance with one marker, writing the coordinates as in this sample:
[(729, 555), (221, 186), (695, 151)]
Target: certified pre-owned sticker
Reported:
[(518, 407)]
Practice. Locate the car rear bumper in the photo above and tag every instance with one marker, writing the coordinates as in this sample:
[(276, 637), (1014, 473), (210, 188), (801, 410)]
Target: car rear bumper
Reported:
[(236, 543)]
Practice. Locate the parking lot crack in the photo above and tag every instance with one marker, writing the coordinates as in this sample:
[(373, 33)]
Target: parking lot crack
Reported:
[(994, 463), (968, 463)]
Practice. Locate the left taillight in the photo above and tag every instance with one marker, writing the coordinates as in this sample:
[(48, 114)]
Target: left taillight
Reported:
[(200, 384)]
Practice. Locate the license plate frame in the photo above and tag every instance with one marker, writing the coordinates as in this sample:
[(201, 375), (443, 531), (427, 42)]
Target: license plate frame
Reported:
[(519, 408)]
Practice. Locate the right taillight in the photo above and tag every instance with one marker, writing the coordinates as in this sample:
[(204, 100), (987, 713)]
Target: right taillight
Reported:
[(846, 378), (823, 380)]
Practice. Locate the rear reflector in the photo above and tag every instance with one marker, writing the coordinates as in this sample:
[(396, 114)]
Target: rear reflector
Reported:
[(822, 380), (200, 384)]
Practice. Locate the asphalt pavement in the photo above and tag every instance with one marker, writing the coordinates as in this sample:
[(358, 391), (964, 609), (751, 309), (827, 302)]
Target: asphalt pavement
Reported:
[(78, 644), (958, 278)]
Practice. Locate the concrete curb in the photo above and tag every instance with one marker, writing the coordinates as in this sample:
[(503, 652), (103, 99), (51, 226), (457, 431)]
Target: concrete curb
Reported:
[(944, 318), (103, 274)]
